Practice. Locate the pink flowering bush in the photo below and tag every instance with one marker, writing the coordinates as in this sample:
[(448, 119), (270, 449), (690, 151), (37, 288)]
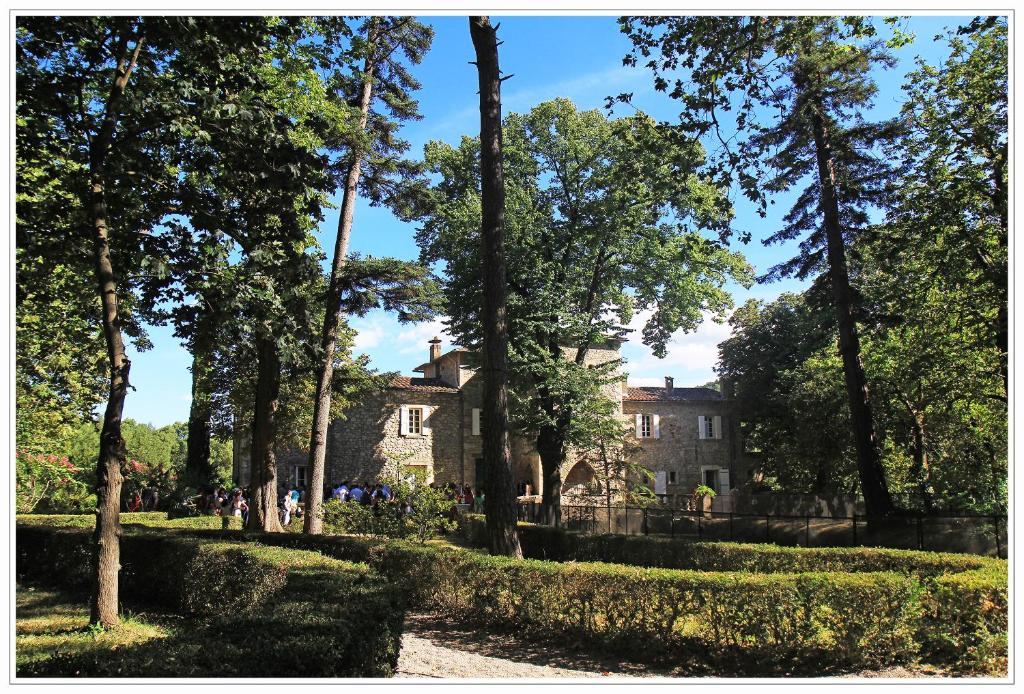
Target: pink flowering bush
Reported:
[(49, 481)]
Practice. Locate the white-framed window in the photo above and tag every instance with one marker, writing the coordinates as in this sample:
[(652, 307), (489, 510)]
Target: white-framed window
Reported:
[(299, 475), (709, 427), (414, 420), (648, 426)]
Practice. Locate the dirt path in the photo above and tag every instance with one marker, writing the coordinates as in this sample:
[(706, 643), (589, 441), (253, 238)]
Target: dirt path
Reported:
[(435, 646)]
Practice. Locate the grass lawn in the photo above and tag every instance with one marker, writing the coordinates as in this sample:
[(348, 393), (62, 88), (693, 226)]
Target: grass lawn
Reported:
[(49, 623)]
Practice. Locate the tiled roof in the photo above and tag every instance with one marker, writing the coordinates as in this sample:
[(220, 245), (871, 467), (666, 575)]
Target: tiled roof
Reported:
[(658, 394), (422, 385)]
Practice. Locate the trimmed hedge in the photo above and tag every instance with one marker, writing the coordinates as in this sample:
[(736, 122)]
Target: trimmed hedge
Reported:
[(758, 609), (148, 519), (557, 544), (966, 620), (768, 619), (254, 611)]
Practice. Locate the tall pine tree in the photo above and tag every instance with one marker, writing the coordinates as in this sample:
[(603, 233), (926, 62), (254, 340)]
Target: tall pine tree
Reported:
[(794, 89)]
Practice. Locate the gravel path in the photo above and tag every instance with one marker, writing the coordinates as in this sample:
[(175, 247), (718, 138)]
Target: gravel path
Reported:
[(435, 646)]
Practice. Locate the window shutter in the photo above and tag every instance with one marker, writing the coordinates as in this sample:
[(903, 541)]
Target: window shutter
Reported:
[(661, 482), (403, 420), (718, 427), (427, 411), (639, 425), (657, 426), (702, 432), (723, 481), (476, 421)]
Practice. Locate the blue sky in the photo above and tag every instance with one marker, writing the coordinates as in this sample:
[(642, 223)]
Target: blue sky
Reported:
[(550, 56)]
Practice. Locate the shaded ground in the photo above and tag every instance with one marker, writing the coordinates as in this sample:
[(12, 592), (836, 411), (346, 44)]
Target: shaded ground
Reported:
[(51, 624)]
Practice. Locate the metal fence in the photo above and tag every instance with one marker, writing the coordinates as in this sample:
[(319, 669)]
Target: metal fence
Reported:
[(973, 534)]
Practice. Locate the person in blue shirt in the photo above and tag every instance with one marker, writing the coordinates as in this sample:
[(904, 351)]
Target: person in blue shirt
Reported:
[(355, 493), (341, 492)]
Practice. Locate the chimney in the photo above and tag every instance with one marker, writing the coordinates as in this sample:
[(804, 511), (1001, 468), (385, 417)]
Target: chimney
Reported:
[(668, 386), (435, 348)]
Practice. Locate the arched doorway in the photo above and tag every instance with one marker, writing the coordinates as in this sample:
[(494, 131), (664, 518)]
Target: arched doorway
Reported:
[(581, 480)]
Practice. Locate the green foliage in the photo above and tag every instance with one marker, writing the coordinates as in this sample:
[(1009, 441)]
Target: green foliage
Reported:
[(253, 611), (950, 202), (351, 517), (703, 490), (769, 618), (556, 544), (749, 608), (60, 356), (428, 514), (942, 434), (967, 621), (930, 281), (602, 219), (48, 483)]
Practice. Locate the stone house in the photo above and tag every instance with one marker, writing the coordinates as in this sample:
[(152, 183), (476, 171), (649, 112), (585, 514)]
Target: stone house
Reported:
[(431, 422)]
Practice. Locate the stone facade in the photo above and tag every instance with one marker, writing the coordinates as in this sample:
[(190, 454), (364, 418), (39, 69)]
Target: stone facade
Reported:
[(673, 446), (371, 441)]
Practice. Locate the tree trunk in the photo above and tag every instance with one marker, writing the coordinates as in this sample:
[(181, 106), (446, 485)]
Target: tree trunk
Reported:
[(263, 501), (107, 535), (313, 523), (877, 501), (198, 472), (919, 451), (551, 448), (500, 503)]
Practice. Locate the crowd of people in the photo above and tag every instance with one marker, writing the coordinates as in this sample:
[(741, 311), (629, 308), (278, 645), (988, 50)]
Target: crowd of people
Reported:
[(220, 502), (463, 495), (235, 503)]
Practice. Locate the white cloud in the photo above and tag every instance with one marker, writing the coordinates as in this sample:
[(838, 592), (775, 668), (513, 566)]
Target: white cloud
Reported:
[(690, 357), (369, 335), (413, 339)]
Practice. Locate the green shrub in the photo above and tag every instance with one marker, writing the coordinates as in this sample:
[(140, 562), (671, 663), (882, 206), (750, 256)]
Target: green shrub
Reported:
[(545, 542), (254, 611), (349, 517), (429, 514), (966, 621), (153, 519), (48, 482), (768, 617)]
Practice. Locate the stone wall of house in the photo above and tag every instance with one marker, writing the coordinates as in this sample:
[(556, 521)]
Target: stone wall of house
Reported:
[(601, 355), (448, 367), (472, 446), (361, 446), (680, 448)]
